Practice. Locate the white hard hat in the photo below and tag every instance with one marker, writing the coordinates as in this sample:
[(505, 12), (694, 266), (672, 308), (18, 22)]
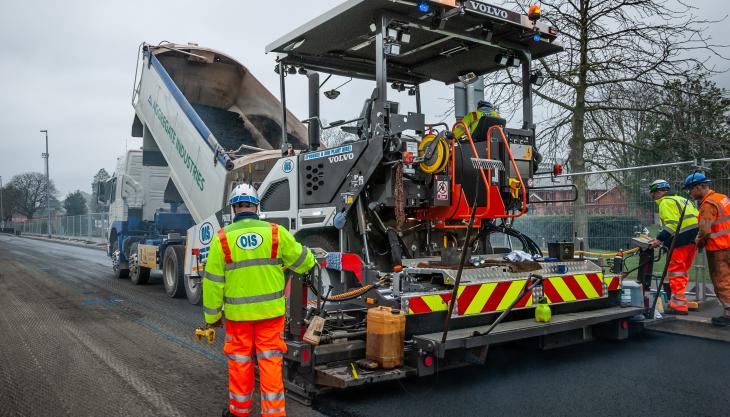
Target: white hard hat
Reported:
[(244, 193), (659, 185)]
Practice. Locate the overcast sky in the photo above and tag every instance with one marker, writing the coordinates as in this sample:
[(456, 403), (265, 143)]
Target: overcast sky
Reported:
[(68, 66)]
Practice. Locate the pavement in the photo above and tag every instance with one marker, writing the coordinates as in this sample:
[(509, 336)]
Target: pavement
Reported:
[(78, 342)]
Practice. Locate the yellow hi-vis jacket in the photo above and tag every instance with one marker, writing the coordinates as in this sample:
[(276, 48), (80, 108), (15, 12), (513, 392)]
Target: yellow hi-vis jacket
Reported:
[(244, 272), (670, 208), (471, 120)]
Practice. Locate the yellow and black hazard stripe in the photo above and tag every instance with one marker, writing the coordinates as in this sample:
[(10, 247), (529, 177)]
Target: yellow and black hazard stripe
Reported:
[(497, 296)]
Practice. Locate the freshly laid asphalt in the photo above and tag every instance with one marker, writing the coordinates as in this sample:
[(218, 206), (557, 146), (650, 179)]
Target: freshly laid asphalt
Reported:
[(78, 342)]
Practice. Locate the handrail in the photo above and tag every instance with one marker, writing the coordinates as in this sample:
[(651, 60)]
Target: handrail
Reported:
[(514, 165)]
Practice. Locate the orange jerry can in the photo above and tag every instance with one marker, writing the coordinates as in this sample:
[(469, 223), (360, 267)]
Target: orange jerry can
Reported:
[(386, 331)]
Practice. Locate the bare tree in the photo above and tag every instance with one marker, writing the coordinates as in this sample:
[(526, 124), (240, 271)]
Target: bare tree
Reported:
[(31, 187), (334, 136), (612, 47), (11, 197)]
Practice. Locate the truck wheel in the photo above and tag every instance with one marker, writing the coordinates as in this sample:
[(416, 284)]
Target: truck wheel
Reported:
[(119, 272), (138, 274), (194, 289), (173, 271)]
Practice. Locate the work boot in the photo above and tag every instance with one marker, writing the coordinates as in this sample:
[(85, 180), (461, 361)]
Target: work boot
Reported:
[(673, 312), (721, 321)]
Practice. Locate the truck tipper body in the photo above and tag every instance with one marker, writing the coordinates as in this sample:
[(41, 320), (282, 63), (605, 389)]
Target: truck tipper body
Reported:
[(206, 124)]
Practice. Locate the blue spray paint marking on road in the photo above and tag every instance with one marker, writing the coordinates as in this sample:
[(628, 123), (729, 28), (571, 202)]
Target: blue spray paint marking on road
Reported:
[(216, 357), (114, 306)]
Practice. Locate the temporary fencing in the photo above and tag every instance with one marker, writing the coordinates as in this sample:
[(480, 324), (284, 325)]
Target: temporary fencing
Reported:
[(91, 227), (615, 207)]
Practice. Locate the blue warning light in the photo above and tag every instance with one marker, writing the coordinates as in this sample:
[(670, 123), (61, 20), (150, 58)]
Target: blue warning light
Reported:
[(424, 6)]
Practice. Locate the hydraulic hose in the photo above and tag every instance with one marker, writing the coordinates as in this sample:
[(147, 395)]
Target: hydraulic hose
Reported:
[(606, 254), (526, 241), (346, 296)]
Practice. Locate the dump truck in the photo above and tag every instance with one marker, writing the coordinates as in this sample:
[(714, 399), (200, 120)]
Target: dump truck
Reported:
[(207, 124)]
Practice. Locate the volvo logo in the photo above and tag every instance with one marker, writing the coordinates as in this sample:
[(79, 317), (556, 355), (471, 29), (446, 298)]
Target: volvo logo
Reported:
[(489, 10), (341, 158)]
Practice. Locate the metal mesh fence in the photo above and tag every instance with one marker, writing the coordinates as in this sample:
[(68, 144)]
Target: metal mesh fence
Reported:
[(91, 227), (617, 205)]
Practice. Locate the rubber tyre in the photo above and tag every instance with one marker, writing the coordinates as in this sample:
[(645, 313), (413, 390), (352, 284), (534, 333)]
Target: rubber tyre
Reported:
[(119, 273), (328, 242), (173, 271), (139, 275), (194, 290)]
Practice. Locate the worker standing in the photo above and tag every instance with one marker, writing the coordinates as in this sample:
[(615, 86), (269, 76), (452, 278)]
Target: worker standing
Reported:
[(670, 210), (714, 236), (244, 278)]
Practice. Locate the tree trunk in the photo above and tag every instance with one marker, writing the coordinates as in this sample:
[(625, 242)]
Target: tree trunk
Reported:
[(576, 157)]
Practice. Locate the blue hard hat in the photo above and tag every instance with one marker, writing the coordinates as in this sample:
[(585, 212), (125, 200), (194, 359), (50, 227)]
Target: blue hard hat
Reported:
[(694, 179)]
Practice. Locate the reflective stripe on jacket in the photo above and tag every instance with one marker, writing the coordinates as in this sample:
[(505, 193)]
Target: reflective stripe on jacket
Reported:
[(719, 236), (243, 273), (670, 208)]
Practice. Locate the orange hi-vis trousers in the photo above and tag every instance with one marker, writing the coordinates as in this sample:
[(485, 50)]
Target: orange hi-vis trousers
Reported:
[(681, 262), (267, 337)]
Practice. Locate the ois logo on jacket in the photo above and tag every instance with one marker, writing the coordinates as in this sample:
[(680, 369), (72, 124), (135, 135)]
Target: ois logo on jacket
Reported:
[(249, 241)]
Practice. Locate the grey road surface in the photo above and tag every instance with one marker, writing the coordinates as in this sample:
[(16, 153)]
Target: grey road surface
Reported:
[(78, 342)]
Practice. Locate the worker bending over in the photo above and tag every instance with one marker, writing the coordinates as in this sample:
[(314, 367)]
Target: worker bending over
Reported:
[(714, 235), (670, 210), (244, 278)]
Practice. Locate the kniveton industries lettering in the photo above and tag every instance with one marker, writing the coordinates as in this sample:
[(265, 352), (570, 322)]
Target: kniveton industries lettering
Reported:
[(184, 155)]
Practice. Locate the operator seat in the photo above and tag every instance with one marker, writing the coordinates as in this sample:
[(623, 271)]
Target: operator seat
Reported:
[(485, 122)]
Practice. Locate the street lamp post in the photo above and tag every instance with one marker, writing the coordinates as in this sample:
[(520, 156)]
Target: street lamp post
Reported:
[(48, 185), (2, 212)]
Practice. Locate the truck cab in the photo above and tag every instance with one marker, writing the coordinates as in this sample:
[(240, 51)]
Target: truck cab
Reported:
[(143, 204)]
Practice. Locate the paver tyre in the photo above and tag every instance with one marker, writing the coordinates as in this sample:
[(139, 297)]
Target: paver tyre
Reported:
[(328, 241)]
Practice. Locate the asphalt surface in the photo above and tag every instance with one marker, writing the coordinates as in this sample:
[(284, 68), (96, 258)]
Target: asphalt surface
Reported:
[(651, 375), (78, 342)]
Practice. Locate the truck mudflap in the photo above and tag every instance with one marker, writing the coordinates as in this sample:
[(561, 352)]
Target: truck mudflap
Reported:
[(471, 337)]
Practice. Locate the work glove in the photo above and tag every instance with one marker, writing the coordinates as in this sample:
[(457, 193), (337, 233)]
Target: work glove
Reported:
[(218, 324)]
